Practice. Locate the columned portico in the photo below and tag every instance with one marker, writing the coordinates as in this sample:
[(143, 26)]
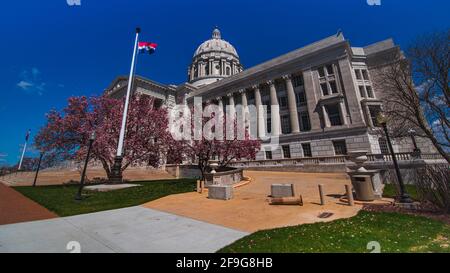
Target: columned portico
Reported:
[(292, 104), (274, 110)]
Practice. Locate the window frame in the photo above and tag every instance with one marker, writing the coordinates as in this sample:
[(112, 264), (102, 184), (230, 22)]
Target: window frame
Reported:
[(337, 149), (307, 144), (288, 148)]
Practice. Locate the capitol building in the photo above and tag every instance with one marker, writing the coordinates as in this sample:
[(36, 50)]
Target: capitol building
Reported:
[(325, 93)]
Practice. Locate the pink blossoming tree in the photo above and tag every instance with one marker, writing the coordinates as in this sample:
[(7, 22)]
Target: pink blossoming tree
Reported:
[(67, 132)]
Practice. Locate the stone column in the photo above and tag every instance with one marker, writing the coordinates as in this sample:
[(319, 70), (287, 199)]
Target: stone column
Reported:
[(312, 91), (232, 105), (274, 109), (244, 103), (292, 103), (342, 112), (221, 114), (326, 119), (261, 122), (192, 76), (220, 103), (243, 97), (201, 69)]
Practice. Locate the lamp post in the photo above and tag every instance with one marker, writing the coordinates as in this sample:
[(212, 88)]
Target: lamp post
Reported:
[(38, 168), (404, 196), (412, 134), (83, 175)]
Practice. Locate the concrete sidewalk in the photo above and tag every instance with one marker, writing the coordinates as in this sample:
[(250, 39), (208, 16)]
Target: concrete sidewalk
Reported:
[(135, 229)]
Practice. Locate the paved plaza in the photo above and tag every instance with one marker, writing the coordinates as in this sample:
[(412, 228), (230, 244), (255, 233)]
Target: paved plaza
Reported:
[(249, 210)]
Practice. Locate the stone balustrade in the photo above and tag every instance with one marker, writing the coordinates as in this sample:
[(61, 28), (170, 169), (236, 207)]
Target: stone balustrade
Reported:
[(335, 163)]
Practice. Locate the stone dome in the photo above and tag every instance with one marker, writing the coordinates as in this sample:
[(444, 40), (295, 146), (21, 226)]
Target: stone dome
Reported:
[(213, 60), (216, 44)]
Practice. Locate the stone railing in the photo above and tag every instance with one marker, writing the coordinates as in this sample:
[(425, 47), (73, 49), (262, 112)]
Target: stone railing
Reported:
[(290, 161), (332, 163), (403, 157)]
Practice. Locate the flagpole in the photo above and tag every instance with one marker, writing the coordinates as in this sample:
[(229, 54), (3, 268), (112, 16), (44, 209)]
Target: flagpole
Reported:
[(116, 170), (23, 152)]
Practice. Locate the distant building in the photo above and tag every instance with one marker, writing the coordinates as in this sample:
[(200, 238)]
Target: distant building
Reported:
[(325, 92)]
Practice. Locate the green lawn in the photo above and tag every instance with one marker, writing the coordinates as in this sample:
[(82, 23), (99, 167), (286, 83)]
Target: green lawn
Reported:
[(60, 199), (390, 191), (395, 232)]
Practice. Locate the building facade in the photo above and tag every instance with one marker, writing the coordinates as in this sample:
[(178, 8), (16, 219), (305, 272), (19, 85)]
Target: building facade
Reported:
[(324, 92)]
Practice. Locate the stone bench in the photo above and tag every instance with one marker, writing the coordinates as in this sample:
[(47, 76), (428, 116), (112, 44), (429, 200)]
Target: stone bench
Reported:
[(220, 192), (282, 190)]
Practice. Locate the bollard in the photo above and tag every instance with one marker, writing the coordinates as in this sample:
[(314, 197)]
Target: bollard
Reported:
[(198, 186), (322, 199), (348, 190), (202, 186)]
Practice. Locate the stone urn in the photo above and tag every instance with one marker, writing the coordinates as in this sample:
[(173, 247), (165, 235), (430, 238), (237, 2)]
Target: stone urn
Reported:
[(359, 158), (214, 164)]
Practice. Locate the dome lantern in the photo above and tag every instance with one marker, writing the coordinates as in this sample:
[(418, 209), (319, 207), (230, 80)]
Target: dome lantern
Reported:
[(216, 34)]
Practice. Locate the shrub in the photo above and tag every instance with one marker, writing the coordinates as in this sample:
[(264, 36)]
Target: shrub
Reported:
[(433, 186)]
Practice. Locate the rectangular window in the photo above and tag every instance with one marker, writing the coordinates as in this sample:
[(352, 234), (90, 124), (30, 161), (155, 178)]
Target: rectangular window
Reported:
[(334, 115), (297, 80), (301, 98), (369, 91), (286, 151), (268, 154), (305, 124), (324, 87), (340, 148), (358, 74), (362, 92), (330, 70), (285, 124), (365, 75), (307, 149), (383, 146), (321, 71), (374, 112), (333, 87)]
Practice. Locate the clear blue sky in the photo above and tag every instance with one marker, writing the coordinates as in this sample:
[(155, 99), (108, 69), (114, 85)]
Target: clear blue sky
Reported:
[(50, 50)]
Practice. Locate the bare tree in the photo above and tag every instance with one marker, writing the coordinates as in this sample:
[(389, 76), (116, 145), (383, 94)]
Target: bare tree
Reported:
[(416, 90)]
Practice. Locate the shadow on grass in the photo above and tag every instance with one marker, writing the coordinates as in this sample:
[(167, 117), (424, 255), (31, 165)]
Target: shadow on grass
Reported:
[(61, 198)]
